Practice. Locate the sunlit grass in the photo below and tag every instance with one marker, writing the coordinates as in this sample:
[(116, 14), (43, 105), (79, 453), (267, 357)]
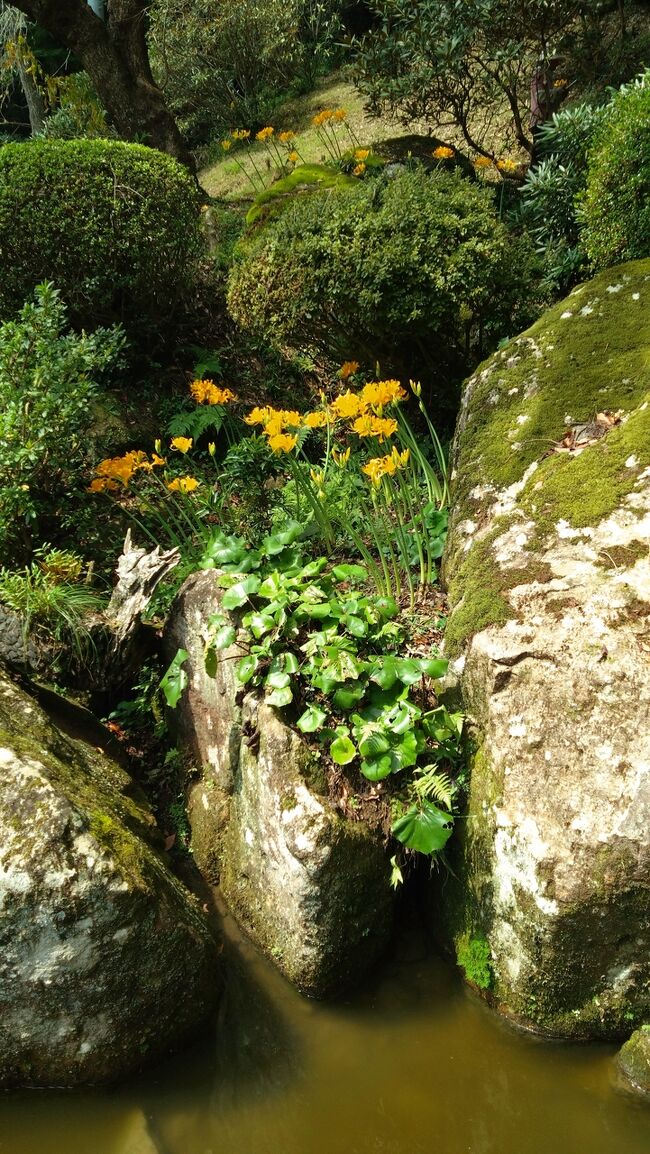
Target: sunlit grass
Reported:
[(224, 179)]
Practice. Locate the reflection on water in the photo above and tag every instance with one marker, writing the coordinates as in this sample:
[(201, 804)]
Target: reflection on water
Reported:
[(412, 1064)]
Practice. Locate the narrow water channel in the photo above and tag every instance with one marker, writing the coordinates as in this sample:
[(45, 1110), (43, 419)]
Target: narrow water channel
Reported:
[(412, 1063)]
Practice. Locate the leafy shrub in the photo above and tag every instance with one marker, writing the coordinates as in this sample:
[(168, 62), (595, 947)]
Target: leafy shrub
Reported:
[(48, 379), (394, 270), (550, 189), (458, 60), (114, 225), (316, 640), (223, 64), (615, 207)]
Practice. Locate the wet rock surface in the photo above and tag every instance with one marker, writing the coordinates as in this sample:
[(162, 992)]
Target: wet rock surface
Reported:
[(633, 1062)]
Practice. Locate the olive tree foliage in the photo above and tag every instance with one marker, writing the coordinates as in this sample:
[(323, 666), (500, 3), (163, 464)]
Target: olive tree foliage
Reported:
[(463, 63)]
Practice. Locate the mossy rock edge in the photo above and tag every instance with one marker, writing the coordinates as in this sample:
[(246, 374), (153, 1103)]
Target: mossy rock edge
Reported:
[(106, 961), (311, 888), (548, 572)]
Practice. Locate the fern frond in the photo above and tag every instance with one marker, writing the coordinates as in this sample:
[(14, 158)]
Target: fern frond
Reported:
[(196, 423), (436, 786)]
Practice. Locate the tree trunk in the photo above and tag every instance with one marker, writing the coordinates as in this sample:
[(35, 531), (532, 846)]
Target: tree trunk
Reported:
[(33, 98), (114, 54)]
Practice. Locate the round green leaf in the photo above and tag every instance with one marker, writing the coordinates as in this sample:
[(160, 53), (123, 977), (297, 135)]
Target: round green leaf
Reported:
[(280, 697), (385, 673), (434, 666), (409, 670), (356, 626), (377, 768), (342, 750), (246, 668), (424, 828), (224, 637), (386, 607), (259, 624), (239, 593), (374, 744), (355, 573), (348, 695), (312, 719)]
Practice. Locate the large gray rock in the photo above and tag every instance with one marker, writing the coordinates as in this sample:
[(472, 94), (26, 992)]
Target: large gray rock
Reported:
[(310, 887), (105, 958), (548, 569)]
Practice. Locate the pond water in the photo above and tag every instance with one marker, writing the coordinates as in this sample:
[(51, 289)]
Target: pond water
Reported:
[(413, 1063)]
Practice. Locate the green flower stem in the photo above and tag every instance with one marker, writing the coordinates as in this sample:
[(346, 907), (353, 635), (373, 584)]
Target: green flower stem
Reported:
[(400, 535), (384, 521), (322, 519), (411, 517)]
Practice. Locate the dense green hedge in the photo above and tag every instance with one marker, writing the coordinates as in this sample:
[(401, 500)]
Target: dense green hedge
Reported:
[(616, 205), (392, 270), (114, 226)]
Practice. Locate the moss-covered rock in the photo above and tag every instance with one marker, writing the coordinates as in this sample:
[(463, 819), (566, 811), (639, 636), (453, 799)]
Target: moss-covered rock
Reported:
[(311, 888), (105, 958), (548, 572), (633, 1062)]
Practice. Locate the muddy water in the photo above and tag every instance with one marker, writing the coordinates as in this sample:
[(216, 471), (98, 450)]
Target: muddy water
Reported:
[(412, 1064)]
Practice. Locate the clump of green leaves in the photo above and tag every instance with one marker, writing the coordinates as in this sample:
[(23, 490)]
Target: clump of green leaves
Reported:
[(48, 381), (615, 207), (548, 194), (317, 642), (52, 601)]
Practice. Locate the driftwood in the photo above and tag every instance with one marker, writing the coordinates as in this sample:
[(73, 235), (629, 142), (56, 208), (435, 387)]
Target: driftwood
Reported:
[(120, 635), (138, 574)]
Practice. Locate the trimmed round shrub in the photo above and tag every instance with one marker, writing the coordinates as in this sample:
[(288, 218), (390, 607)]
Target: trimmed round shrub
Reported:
[(392, 270), (114, 226), (615, 208)]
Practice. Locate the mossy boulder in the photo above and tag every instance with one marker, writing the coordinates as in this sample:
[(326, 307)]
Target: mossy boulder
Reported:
[(633, 1062), (310, 887), (548, 573), (105, 958)]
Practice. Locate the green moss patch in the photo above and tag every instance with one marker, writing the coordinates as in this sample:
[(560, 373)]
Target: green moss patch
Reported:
[(474, 957), (304, 179), (588, 354), (565, 366)]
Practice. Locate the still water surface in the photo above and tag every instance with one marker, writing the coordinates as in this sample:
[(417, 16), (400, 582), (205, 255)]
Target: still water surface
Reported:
[(412, 1064)]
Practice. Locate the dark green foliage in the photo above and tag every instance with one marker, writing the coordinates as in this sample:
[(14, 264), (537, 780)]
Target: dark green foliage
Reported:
[(616, 204), (48, 381), (393, 270), (79, 112), (450, 60), (550, 189), (224, 65), (115, 225), (54, 604)]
